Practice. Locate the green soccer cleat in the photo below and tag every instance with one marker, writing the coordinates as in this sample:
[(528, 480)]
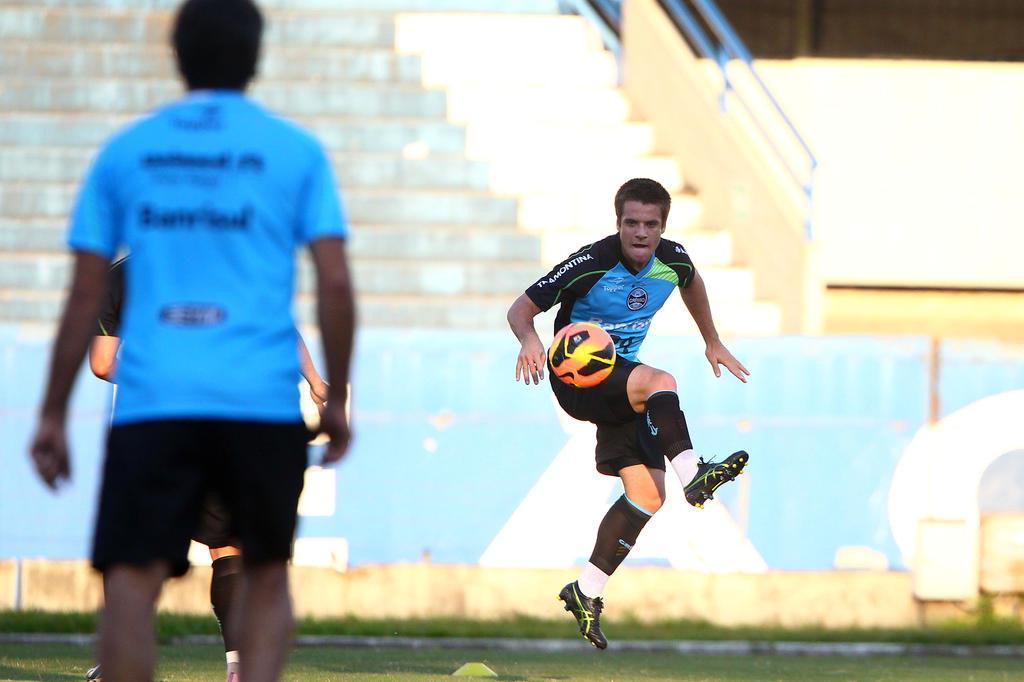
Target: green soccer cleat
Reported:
[(587, 612), (711, 475)]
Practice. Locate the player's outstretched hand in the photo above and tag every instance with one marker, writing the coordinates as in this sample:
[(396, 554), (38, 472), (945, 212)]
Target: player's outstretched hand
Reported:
[(531, 362), (717, 354), (50, 452), (334, 423)]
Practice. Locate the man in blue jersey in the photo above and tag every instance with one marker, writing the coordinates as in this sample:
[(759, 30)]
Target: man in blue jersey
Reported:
[(212, 195), (619, 283), (215, 527)]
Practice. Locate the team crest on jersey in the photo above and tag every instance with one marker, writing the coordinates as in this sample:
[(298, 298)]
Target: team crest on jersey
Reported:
[(637, 299)]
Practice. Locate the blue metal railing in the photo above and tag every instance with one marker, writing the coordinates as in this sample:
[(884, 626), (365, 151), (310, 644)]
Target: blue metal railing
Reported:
[(728, 49), (606, 15), (713, 37)]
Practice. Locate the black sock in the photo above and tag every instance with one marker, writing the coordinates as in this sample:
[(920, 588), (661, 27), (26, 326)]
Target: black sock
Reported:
[(666, 425), (617, 534), (224, 586)]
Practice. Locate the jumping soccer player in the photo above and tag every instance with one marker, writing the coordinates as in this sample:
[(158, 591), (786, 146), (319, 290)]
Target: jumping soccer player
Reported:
[(619, 283), (212, 195), (214, 528)]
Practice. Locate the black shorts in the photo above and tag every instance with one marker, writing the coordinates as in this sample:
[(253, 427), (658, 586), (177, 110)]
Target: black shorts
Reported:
[(621, 438), (623, 445), (215, 524), (158, 474), (606, 403)]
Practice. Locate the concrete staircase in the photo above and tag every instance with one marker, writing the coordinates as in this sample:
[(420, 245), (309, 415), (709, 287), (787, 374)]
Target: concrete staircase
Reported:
[(474, 149)]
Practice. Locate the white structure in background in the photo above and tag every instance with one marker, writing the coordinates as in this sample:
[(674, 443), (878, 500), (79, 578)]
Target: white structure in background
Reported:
[(933, 502), (555, 525)]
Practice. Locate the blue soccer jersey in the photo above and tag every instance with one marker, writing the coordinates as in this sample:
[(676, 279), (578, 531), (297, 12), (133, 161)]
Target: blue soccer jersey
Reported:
[(211, 195), (594, 285)]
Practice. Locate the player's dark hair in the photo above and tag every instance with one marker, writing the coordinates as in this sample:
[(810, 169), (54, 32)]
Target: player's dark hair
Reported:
[(646, 191), (217, 43)]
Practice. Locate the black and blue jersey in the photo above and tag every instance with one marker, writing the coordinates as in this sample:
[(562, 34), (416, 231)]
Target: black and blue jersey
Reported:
[(595, 285)]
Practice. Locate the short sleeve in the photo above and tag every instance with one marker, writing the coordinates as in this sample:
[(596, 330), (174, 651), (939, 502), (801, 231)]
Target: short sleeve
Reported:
[(96, 217), (320, 210), (109, 321), (674, 255), (575, 272)]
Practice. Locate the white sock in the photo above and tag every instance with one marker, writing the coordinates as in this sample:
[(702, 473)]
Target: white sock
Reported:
[(592, 581), (685, 465)]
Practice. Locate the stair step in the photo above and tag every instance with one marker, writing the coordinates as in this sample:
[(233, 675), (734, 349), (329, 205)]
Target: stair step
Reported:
[(462, 312), (69, 164), (414, 243), (398, 242), (309, 98), (62, 60), (441, 278), (335, 133), (369, 206), (371, 276), (521, 174), (527, 105), (535, 67), (85, 25), (405, 312), (425, 277), (493, 140), (482, 34), (480, 6), (593, 212)]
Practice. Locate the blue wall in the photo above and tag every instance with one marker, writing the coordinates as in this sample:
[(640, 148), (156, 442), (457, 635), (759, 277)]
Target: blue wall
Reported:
[(448, 444)]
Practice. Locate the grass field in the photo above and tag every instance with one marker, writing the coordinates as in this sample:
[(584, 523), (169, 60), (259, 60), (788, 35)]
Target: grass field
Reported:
[(982, 628), (52, 663)]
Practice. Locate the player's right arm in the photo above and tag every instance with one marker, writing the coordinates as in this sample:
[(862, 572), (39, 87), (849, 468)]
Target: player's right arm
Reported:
[(532, 358), (49, 446), (94, 236), (571, 278)]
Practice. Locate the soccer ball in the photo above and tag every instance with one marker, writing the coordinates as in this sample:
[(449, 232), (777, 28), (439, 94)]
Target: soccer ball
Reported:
[(582, 354)]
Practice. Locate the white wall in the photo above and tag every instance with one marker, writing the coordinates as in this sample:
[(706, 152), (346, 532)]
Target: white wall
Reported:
[(920, 182)]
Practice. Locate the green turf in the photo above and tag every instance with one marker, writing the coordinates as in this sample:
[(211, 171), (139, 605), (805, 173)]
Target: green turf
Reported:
[(970, 630), (201, 664)]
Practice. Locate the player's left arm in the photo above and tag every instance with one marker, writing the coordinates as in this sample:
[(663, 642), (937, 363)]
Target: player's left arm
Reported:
[(317, 386), (103, 356), (88, 284), (695, 296)]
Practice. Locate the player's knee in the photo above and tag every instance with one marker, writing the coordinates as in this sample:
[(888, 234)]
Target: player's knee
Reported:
[(648, 501), (660, 380)]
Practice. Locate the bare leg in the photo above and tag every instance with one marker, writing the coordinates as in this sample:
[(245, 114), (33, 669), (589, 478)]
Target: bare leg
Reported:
[(644, 381), (127, 641), (644, 487), (266, 621)]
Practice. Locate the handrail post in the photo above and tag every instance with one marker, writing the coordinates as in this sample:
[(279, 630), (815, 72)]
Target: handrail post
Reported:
[(722, 58)]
